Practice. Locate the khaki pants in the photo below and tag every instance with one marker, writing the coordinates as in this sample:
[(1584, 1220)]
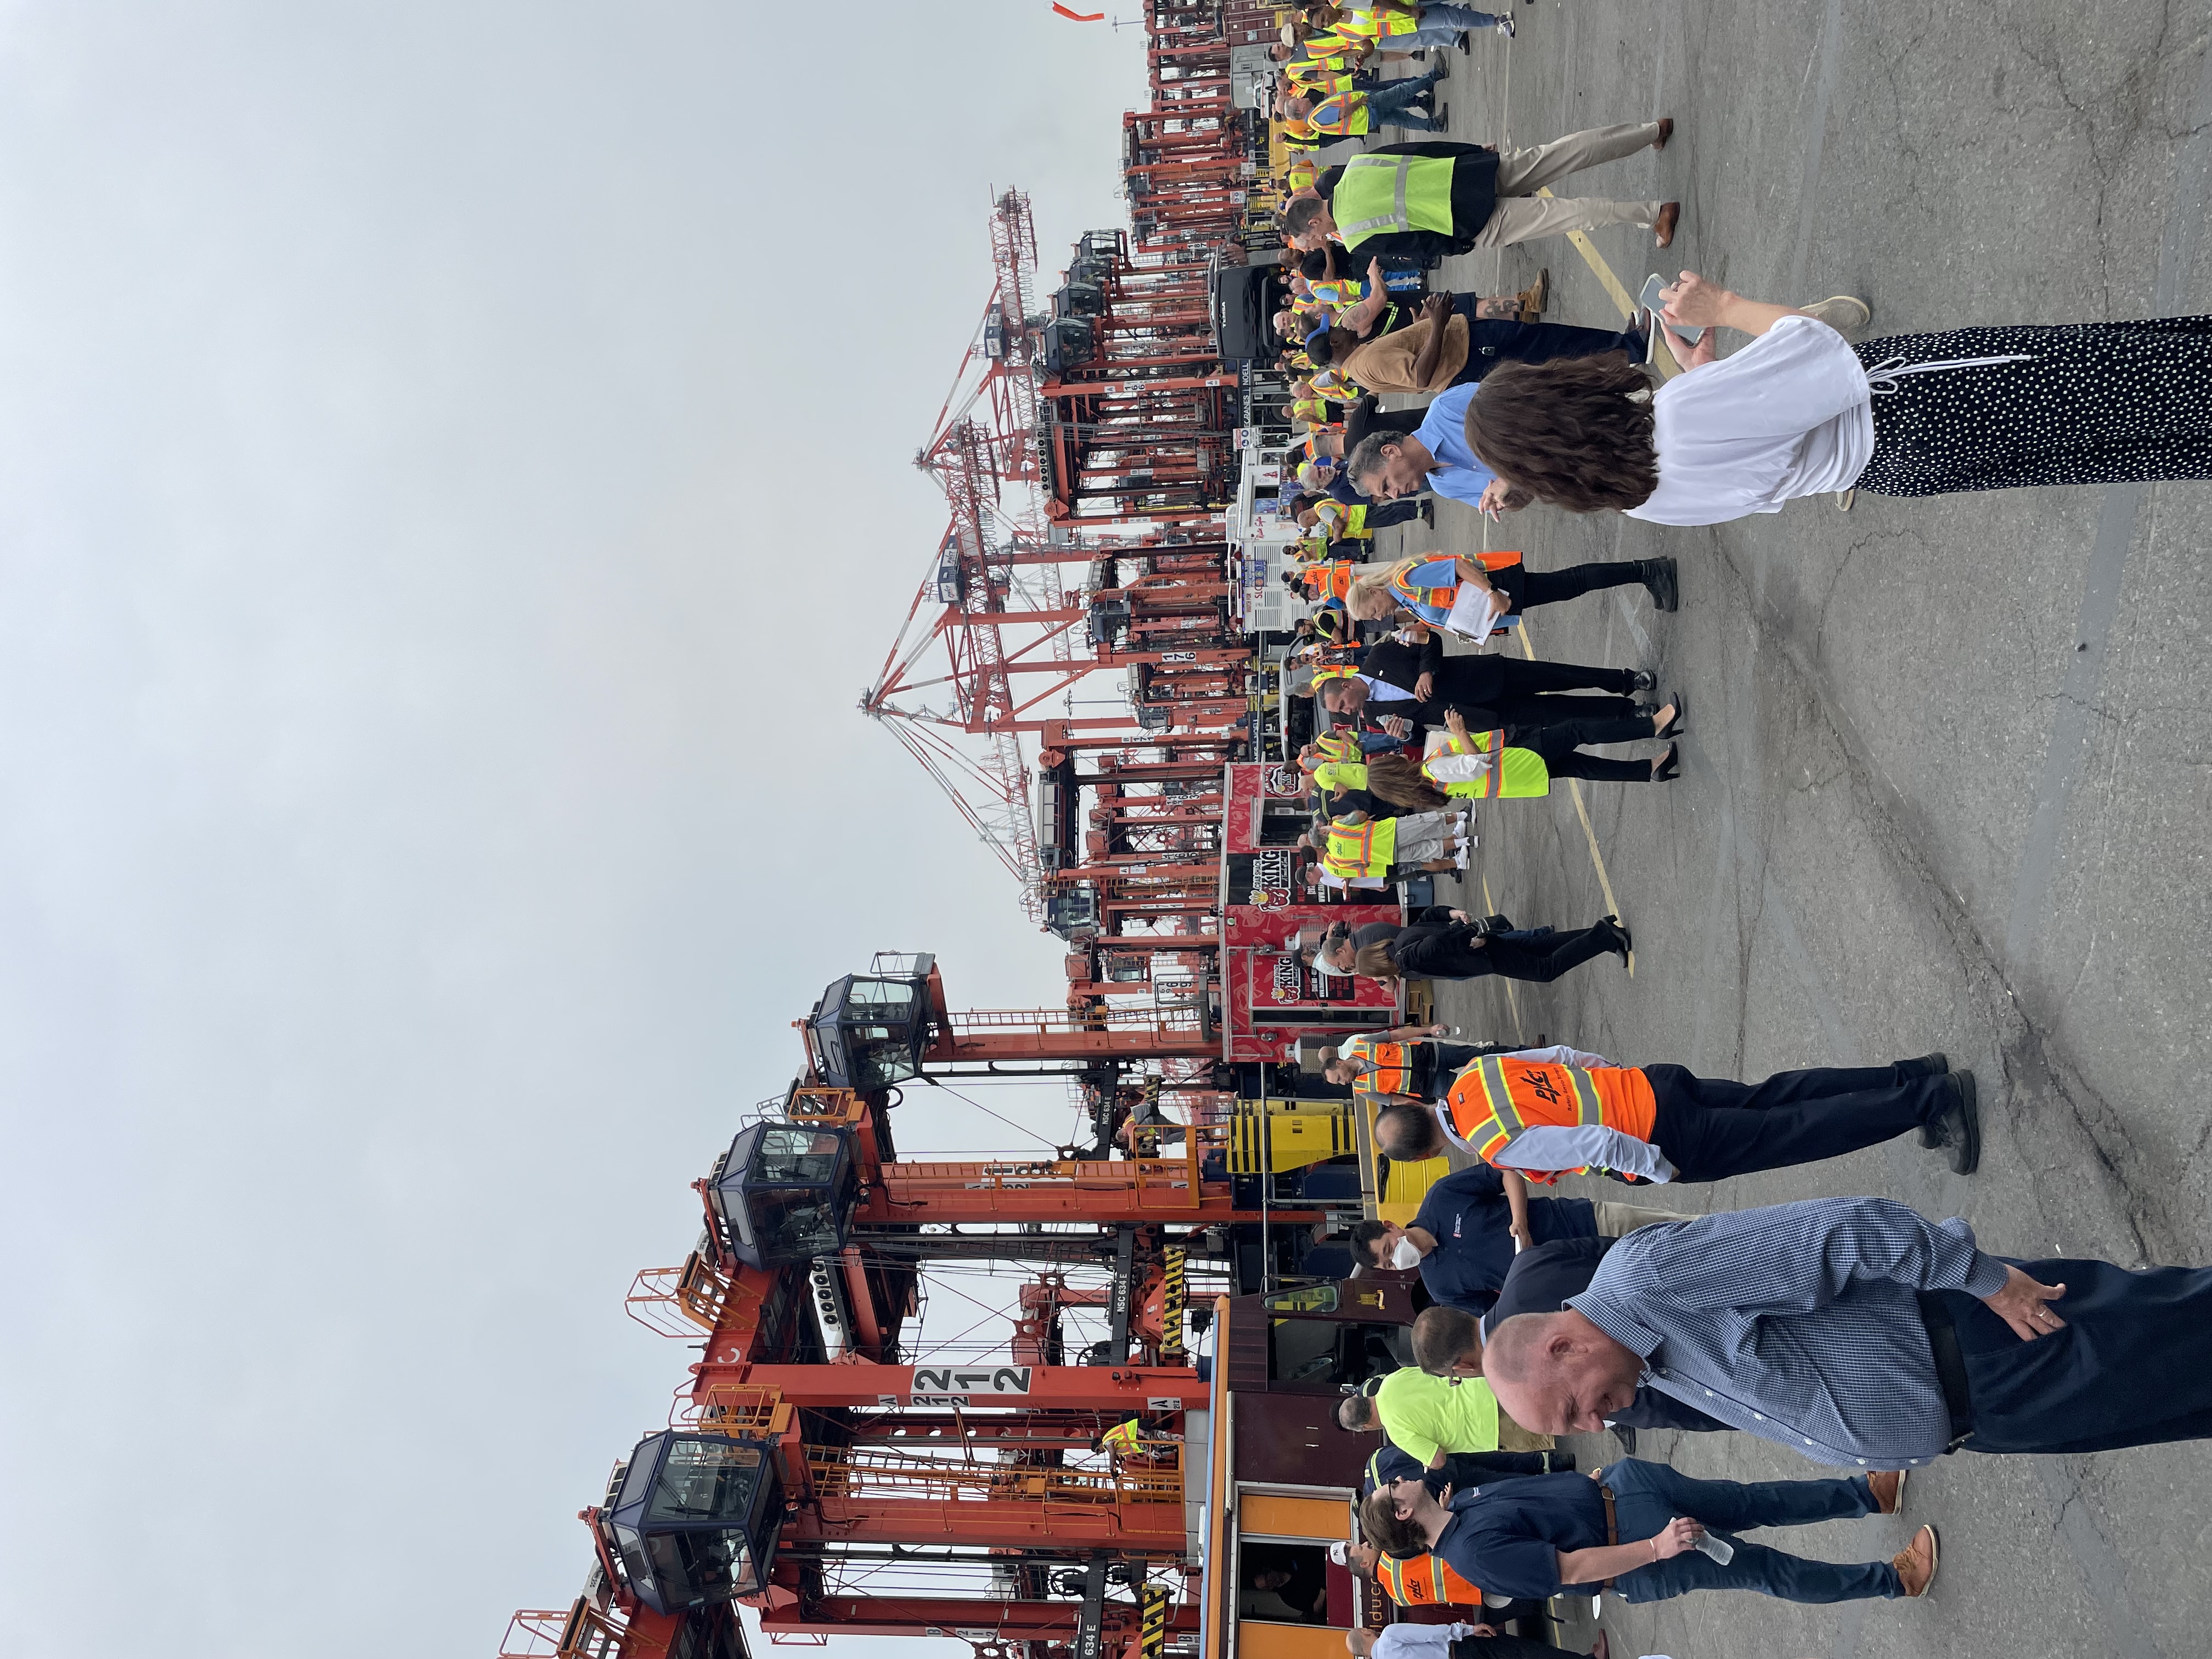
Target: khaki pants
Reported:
[(1511, 1437), (1618, 1220), (1522, 215)]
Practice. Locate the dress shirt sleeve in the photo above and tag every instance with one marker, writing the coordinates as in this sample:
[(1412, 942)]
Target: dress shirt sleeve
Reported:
[(1559, 1055), (1793, 1258), (1409, 1641), (1548, 1148)]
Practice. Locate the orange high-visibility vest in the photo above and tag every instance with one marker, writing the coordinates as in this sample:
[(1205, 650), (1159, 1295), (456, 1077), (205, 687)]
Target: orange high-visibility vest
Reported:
[(1332, 580), (1393, 1063), (1342, 115), (1442, 594), (1499, 1095), (1425, 1581), (1372, 22)]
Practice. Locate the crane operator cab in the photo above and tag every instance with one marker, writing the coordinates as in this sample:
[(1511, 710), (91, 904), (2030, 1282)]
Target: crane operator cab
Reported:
[(869, 1030), (695, 1520), (784, 1192)]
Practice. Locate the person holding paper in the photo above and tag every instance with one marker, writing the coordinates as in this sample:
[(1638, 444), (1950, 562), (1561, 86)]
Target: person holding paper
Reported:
[(1639, 1530), (1472, 597)]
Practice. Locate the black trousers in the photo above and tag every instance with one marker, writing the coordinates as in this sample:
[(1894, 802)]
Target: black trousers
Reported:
[(1466, 1470), (1530, 588), (1454, 954), (2132, 1367), (1380, 515), (1518, 677), (1491, 342), (1550, 708), (1507, 1647), (1561, 746), (1711, 1129), (1436, 1064)]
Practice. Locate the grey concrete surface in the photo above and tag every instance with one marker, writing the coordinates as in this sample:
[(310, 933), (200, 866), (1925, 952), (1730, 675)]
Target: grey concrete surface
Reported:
[(1947, 777)]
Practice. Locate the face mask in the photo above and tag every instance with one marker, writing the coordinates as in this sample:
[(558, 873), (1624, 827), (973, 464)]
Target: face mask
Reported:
[(1408, 1255)]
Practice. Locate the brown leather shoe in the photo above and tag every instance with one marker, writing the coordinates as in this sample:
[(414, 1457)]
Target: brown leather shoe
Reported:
[(1888, 1490), (1666, 131), (1669, 214), (1916, 1562), (1532, 298)]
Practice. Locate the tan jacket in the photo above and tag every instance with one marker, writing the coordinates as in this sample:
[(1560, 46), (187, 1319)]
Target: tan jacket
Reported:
[(1387, 364)]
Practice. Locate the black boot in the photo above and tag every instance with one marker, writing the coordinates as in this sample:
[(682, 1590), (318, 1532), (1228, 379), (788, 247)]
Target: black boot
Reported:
[(1657, 576)]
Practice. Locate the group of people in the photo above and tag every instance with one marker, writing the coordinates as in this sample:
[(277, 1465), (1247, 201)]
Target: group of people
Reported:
[(1852, 1330)]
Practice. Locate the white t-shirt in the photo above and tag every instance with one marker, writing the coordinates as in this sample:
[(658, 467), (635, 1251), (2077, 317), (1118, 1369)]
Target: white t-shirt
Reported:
[(1788, 415)]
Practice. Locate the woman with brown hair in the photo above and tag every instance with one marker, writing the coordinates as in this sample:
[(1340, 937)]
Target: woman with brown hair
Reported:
[(1441, 943), (1800, 411), (1394, 779)]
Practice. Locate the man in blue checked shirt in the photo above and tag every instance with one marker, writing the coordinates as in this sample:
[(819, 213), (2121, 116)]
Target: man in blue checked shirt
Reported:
[(1858, 1332)]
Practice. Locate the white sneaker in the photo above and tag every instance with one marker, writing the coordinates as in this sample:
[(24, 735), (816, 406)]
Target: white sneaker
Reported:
[(1506, 26), (1841, 313)]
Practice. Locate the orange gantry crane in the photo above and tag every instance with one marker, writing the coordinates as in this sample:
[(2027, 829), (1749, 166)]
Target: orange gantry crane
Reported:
[(829, 1466)]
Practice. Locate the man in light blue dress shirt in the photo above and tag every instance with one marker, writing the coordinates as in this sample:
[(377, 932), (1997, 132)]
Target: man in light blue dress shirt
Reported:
[(1860, 1333), (1434, 456)]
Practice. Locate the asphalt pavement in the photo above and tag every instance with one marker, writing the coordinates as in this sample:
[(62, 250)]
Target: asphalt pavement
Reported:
[(1945, 785)]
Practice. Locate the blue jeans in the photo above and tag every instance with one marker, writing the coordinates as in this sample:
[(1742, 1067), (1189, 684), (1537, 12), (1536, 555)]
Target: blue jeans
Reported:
[(1441, 25), (1648, 1495), (1391, 104)]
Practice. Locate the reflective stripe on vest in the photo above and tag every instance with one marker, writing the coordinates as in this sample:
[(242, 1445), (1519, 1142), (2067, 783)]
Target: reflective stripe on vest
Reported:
[(1374, 23), (1393, 1063), (1379, 193), (1362, 849), (1332, 580), (1437, 598), (1343, 114), (1424, 1581), (1499, 1117), (1482, 788)]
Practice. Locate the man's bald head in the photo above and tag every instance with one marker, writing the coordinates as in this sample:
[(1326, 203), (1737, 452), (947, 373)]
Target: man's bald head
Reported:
[(1357, 1414), (1558, 1373)]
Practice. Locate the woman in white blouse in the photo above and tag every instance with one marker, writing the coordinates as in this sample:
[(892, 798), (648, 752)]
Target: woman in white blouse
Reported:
[(1800, 411)]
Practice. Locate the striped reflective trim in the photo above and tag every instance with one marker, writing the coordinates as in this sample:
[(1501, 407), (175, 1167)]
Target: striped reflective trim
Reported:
[(1403, 166)]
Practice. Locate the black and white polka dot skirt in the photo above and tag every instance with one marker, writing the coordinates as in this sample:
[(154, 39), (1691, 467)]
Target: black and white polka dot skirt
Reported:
[(2094, 402)]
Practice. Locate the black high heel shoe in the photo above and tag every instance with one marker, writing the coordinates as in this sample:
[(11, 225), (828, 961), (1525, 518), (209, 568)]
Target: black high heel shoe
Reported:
[(1669, 766), (1673, 727)]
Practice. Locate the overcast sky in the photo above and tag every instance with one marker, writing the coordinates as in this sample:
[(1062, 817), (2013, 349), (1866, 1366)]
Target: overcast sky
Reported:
[(454, 482)]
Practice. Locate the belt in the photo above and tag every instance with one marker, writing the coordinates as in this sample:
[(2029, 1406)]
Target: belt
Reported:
[(1950, 1366), (1611, 1523)]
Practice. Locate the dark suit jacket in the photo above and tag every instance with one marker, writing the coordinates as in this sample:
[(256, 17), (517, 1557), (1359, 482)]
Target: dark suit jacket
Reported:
[(1402, 665)]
